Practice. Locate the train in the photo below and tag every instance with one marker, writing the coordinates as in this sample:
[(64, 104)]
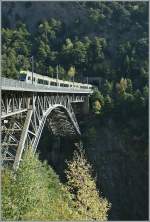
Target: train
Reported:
[(45, 80)]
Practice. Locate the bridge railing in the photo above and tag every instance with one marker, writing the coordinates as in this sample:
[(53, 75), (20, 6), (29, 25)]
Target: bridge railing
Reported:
[(11, 84), (5, 82)]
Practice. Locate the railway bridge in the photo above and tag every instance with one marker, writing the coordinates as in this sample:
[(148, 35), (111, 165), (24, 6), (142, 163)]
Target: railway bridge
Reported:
[(26, 108)]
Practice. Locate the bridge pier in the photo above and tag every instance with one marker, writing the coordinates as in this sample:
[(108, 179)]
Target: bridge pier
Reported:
[(85, 106), (22, 139)]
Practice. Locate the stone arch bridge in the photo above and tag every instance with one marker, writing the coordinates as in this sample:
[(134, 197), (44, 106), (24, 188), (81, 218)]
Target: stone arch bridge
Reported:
[(26, 108)]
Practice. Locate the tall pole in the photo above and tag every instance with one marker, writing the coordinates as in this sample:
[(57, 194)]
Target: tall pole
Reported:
[(87, 80), (32, 60), (57, 74)]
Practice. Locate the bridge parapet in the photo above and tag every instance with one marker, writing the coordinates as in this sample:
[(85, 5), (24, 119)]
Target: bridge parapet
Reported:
[(15, 85)]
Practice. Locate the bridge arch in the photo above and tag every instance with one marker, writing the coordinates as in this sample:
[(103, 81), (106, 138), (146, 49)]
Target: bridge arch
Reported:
[(26, 108), (57, 128), (39, 112)]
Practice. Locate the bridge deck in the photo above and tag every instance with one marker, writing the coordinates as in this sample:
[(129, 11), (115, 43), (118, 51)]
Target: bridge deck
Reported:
[(15, 85)]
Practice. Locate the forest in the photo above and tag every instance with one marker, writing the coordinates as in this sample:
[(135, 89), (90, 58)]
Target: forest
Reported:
[(107, 40)]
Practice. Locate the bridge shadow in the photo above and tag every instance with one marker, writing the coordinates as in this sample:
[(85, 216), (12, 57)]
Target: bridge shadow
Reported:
[(56, 150)]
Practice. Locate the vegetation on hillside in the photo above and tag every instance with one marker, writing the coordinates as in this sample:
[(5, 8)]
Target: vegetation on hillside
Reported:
[(34, 192), (89, 202), (114, 46)]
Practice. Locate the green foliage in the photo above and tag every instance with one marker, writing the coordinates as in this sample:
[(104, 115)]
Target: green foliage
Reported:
[(96, 95), (80, 54), (96, 15), (109, 104), (62, 73), (34, 192), (96, 106), (122, 86), (71, 71), (50, 71), (97, 101), (89, 203), (93, 52), (15, 50), (108, 88)]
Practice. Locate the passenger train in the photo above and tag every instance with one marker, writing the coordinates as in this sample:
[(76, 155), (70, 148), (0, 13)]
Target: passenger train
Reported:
[(45, 80)]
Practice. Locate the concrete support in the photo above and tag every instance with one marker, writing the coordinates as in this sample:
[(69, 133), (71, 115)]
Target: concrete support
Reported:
[(22, 139), (85, 107)]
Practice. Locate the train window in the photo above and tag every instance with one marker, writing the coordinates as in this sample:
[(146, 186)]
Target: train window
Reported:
[(83, 87), (61, 84), (45, 82), (53, 83), (66, 85), (22, 77), (34, 79), (40, 81), (29, 78)]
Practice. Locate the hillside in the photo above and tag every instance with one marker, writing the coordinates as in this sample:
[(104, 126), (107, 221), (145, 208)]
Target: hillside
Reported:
[(100, 39), (67, 12)]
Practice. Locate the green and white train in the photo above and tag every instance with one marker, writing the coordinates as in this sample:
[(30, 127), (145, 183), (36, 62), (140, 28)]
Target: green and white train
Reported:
[(45, 80)]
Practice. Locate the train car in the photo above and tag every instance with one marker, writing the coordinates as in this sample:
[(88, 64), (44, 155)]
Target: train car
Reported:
[(37, 78), (45, 80)]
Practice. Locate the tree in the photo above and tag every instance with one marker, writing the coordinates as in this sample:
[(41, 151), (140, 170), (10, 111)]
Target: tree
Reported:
[(68, 45), (80, 54), (66, 55), (50, 71), (15, 50), (44, 28), (97, 101), (96, 107), (62, 72), (109, 104), (90, 204), (71, 72), (96, 52), (108, 88), (124, 86)]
